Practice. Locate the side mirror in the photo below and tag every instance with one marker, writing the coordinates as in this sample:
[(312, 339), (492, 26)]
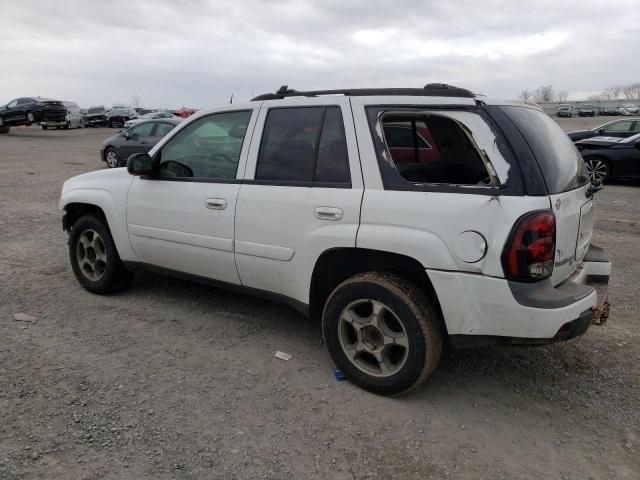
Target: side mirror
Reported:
[(601, 131), (140, 164)]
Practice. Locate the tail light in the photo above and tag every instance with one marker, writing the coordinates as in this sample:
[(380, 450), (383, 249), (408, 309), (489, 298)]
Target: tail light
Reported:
[(529, 253)]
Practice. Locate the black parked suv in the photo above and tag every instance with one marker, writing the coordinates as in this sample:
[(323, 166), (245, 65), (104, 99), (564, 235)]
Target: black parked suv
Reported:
[(96, 116), (119, 116), (29, 110)]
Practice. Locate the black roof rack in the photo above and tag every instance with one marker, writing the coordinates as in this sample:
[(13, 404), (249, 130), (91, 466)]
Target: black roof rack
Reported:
[(429, 90)]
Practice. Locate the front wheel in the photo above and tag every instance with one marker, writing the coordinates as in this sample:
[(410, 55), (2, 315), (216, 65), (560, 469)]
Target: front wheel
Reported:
[(382, 331), (112, 158), (30, 117), (598, 169), (94, 258)]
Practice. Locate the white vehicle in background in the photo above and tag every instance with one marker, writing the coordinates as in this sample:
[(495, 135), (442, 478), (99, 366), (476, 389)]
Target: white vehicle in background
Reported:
[(402, 219), (628, 109), (150, 116), (73, 119)]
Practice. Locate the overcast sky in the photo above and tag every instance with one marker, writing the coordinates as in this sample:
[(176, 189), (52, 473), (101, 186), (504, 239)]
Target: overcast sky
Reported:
[(176, 53)]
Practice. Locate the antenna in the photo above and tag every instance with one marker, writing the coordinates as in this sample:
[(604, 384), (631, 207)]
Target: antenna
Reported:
[(231, 99)]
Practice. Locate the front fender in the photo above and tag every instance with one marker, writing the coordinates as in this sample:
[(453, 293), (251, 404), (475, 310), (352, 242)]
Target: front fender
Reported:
[(114, 213)]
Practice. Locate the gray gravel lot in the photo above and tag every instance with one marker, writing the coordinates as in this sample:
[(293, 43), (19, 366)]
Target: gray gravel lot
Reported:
[(170, 379)]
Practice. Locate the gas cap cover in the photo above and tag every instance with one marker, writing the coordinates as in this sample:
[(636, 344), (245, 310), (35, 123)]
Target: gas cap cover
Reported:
[(470, 246)]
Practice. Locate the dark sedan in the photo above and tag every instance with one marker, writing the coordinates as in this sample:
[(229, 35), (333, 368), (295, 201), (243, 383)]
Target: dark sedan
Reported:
[(617, 128), (610, 158), (137, 139), (29, 110)]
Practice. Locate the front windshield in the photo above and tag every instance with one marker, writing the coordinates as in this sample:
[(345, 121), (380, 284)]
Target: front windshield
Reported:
[(148, 115), (120, 112)]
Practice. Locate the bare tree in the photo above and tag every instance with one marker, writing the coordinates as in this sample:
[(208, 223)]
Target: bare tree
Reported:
[(136, 101), (525, 95), (631, 91), (563, 95), (544, 94), (613, 92)]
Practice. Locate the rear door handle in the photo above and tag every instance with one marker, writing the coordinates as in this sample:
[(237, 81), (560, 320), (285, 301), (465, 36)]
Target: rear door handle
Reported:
[(215, 203), (328, 213)]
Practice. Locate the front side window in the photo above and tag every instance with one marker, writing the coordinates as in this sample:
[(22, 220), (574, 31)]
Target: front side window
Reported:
[(162, 129), (618, 127), (304, 145), (142, 130), (12, 103), (208, 148)]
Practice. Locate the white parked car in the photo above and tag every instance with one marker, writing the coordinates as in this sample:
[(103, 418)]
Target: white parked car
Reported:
[(471, 224), (150, 116), (628, 109)]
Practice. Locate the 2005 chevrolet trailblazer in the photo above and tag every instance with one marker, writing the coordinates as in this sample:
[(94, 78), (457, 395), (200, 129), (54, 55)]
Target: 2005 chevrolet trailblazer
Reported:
[(403, 218)]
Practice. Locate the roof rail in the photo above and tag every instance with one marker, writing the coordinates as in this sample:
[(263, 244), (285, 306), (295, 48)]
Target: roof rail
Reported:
[(429, 90)]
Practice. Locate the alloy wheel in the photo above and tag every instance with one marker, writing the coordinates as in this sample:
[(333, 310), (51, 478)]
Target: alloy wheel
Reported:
[(597, 169), (112, 159), (91, 255), (373, 337)]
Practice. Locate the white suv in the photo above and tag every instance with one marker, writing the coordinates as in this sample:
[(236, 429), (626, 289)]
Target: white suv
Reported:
[(402, 218)]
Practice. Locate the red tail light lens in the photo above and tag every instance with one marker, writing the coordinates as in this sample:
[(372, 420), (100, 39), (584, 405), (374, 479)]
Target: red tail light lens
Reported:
[(529, 253)]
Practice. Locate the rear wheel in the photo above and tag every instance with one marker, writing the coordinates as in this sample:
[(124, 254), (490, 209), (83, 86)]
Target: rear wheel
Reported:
[(382, 332), (598, 168), (94, 258), (44, 127)]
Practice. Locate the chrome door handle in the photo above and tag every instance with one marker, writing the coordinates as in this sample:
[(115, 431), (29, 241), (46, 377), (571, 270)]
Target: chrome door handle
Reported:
[(328, 213), (215, 203)]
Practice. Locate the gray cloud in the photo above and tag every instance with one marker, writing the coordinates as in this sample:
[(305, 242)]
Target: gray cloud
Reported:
[(178, 52)]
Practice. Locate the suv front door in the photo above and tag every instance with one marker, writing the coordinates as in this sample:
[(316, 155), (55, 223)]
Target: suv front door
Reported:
[(182, 217), (301, 194)]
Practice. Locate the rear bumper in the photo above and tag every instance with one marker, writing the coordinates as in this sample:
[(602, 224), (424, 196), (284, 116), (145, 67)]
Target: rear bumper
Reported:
[(484, 310)]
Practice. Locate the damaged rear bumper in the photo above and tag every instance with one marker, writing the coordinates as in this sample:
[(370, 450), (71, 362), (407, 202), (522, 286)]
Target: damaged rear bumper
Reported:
[(526, 313)]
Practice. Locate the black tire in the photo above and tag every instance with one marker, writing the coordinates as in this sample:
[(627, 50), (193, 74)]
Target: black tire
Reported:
[(4, 130), (414, 316), (112, 275), (44, 127)]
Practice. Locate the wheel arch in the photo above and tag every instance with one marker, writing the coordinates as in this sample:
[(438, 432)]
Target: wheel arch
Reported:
[(335, 265), (77, 203)]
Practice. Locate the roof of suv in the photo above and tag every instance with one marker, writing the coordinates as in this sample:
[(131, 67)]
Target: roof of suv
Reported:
[(429, 90)]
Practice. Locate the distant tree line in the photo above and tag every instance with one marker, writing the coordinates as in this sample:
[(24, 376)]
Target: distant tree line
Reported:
[(546, 94), (543, 94), (617, 92)]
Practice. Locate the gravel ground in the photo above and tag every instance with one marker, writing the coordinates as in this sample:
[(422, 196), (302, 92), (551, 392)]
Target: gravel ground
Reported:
[(174, 380)]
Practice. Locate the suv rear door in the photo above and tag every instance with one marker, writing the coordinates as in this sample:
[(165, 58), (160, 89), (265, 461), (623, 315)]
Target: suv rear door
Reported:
[(301, 194)]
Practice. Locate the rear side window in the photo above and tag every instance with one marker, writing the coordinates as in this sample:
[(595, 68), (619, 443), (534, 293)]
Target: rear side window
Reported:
[(431, 148), (559, 160), (304, 145)]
